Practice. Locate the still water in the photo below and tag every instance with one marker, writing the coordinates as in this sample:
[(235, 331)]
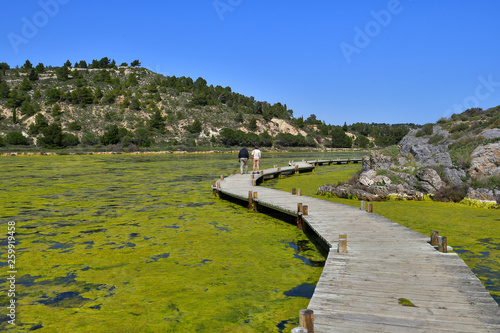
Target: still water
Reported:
[(137, 243)]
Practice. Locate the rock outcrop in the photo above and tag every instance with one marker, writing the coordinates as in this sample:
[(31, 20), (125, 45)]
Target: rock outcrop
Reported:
[(485, 160), (422, 168), (425, 153)]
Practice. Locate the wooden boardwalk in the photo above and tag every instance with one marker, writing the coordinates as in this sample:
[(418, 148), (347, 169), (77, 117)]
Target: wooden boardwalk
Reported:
[(360, 291)]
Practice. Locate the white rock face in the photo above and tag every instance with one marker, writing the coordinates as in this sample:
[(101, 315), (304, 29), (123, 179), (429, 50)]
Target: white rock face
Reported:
[(485, 160)]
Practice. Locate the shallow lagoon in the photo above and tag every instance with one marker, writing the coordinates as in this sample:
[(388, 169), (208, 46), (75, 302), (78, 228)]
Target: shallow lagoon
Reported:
[(138, 243)]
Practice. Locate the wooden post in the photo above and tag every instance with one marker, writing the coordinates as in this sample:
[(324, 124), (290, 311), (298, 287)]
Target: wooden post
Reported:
[(221, 177), (250, 200), (294, 191), (296, 169), (434, 238), (342, 247), (305, 209), (370, 208), (306, 320), (234, 172), (214, 191), (362, 205), (254, 201), (218, 184), (262, 172), (300, 191), (254, 182), (299, 330), (442, 244), (253, 176), (299, 215)]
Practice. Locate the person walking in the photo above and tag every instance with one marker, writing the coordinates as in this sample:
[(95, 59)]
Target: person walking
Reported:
[(256, 154), (243, 159)]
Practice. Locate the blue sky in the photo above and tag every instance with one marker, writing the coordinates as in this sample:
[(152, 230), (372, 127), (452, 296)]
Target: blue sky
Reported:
[(344, 61)]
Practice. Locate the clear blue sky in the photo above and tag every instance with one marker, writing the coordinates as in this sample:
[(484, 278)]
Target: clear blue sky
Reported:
[(344, 61)]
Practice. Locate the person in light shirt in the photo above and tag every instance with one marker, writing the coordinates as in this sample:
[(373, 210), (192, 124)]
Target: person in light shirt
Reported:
[(256, 155)]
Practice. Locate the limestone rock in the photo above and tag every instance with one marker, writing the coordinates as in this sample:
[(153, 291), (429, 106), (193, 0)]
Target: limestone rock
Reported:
[(426, 154), (376, 161), (430, 180), (491, 133), (454, 176), (484, 194), (485, 160)]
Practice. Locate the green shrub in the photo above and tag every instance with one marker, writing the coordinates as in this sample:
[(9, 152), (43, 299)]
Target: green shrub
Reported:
[(16, 139), (459, 128), (479, 203), (70, 140), (425, 130), (435, 139), (490, 182), (74, 126), (2, 142), (452, 193)]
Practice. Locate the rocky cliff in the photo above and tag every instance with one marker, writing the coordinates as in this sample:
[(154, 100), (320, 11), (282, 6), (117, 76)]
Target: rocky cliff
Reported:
[(437, 163)]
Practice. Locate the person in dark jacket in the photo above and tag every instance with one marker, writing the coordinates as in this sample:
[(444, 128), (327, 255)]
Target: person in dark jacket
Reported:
[(243, 157)]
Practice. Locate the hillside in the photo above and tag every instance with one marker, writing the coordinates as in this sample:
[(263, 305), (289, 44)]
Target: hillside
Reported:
[(456, 158), (104, 105)]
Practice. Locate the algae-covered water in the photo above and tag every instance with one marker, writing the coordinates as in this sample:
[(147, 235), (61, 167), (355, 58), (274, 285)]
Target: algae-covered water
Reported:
[(137, 243), (474, 233)]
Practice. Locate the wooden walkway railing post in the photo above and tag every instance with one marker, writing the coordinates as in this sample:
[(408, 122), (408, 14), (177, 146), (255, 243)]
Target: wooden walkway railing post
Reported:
[(434, 238), (299, 215), (306, 320), (442, 244), (255, 196), (342, 247), (250, 200)]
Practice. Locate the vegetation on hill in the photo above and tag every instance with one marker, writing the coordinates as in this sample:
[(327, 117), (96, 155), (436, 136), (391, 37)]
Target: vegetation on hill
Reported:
[(99, 104)]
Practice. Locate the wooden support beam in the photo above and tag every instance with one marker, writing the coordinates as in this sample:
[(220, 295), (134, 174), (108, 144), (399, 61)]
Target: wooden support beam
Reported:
[(296, 169), (299, 191), (221, 177), (442, 244), (370, 208), (218, 184), (250, 200), (299, 215), (305, 210), (294, 191), (255, 196), (342, 246), (306, 320), (434, 238)]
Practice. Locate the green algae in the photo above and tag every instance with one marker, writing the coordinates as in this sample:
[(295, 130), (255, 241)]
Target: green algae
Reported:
[(473, 233), (138, 243)]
